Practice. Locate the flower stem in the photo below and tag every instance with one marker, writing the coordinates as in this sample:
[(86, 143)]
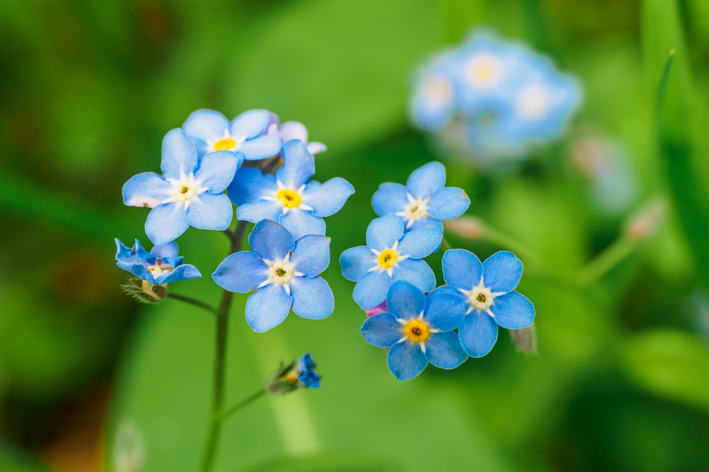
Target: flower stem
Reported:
[(606, 260), (192, 301), (215, 428), (224, 414)]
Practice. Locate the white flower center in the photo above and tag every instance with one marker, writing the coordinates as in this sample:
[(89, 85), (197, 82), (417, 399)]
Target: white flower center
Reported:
[(438, 91), (159, 268), (483, 71), (533, 103), (185, 189), (289, 198), (481, 298), (388, 259), (414, 210), (281, 272)]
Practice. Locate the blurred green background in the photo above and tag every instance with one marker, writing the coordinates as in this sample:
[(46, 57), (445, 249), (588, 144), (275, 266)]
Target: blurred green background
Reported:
[(88, 88)]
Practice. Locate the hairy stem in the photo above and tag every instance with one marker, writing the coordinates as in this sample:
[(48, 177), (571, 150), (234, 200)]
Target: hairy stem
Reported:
[(192, 301), (221, 416)]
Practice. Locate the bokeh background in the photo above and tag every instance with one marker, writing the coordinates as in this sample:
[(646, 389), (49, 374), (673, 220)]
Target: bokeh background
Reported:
[(88, 88)]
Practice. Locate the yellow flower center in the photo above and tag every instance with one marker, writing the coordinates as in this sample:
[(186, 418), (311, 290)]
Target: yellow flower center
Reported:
[(484, 72), (291, 377), (417, 331), (224, 144), (290, 198), (387, 259)]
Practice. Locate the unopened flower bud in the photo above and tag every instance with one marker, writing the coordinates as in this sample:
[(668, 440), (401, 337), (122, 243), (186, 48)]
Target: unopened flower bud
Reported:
[(293, 376), (465, 226), (144, 291), (645, 222), (381, 308)]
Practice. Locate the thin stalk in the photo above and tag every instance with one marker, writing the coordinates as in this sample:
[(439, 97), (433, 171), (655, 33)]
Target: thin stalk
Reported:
[(234, 408), (192, 301), (607, 260)]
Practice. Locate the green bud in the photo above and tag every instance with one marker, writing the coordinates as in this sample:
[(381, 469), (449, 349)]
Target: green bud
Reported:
[(143, 291), (284, 380)]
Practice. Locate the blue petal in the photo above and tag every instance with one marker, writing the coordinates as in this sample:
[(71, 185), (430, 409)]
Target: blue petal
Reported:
[(166, 223), (217, 169), (356, 261), (390, 198), (311, 255), (260, 148), (267, 308), (271, 241), (420, 243), (209, 211), (427, 222), (298, 165), (372, 289), (312, 298), (502, 272), (259, 211), (300, 222), (513, 311), (166, 250), (179, 156), (382, 330), (405, 301), (461, 269), (426, 180), (251, 185), (137, 269), (123, 252), (183, 272), (444, 350), (417, 273), (406, 361), (477, 333), (205, 125), (445, 308), (146, 190), (448, 203), (250, 123), (327, 199), (383, 232), (241, 272)]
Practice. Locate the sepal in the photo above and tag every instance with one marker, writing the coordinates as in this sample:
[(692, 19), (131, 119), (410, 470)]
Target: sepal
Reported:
[(143, 291)]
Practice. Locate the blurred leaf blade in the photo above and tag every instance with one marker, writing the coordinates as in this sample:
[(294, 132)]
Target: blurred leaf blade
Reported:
[(325, 463)]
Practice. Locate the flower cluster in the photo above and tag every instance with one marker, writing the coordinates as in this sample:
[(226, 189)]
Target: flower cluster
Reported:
[(395, 286), (490, 98), (288, 247)]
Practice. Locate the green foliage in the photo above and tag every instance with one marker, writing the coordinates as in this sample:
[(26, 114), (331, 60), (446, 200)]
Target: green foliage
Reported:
[(324, 463)]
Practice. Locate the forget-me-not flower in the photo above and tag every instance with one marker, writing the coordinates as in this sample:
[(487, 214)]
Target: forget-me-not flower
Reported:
[(418, 329), (189, 193), (389, 256), (283, 272), (304, 372), (424, 202), (293, 130), (486, 290), (211, 131), (287, 197), (159, 266)]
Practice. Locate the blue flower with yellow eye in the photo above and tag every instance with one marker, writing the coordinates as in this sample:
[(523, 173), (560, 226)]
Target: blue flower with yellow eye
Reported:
[(486, 291), (189, 193), (389, 256), (424, 201), (287, 197), (418, 329), (284, 274), (211, 132), (159, 266), (305, 371)]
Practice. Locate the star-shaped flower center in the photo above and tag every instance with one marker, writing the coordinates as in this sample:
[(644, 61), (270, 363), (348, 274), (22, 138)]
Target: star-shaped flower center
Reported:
[(289, 198), (414, 210), (185, 189), (533, 103), (159, 268), (281, 272), (226, 143), (416, 330), (481, 298), (483, 71), (388, 259)]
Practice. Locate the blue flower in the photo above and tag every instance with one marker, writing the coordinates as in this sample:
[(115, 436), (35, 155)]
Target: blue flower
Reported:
[(418, 330), (389, 256), (305, 371), (486, 290), (293, 130), (424, 202), (286, 197), (284, 274), (189, 193), (159, 266), (211, 132)]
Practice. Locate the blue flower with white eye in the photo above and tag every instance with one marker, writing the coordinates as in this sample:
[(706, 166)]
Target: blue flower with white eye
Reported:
[(424, 202), (417, 330), (486, 290), (305, 371), (293, 130), (189, 193), (287, 197), (284, 274), (389, 256), (159, 266), (211, 132)]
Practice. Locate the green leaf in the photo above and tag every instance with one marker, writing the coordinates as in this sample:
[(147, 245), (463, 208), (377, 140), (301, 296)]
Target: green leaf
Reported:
[(13, 460), (324, 463)]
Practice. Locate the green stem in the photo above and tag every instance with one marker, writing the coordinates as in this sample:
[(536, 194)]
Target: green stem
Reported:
[(192, 301), (222, 313), (662, 85), (234, 408), (607, 260), (504, 241), (445, 245)]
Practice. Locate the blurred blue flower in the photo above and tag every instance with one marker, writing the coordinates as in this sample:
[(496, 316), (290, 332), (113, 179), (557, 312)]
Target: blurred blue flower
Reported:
[(286, 197), (305, 372), (211, 131), (417, 330), (390, 256), (189, 193), (284, 274), (159, 266), (424, 202), (486, 290), (293, 130)]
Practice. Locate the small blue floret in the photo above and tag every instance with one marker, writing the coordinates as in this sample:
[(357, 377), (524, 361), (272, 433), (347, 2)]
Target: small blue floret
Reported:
[(159, 266)]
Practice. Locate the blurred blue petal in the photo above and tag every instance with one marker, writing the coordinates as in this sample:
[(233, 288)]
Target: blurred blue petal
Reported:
[(420, 243), (478, 333), (405, 301), (261, 147), (300, 222), (502, 272), (217, 169), (382, 330), (267, 308), (311, 255), (383, 232), (137, 269), (356, 261), (166, 223), (406, 361), (371, 289), (182, 272), (328, 198), (146, 190), (251, 185), (426, 180), (312, 298), (209, 211), (271, 241), (166, 250), (417, 273), (445, 308), (513, 311), (250, 123), (205, 126), (427, 222), (390, 198), (298, 165), (462, 269), (444, 350), (241, 272), (448, 203), (179, 156), (259, 211)]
